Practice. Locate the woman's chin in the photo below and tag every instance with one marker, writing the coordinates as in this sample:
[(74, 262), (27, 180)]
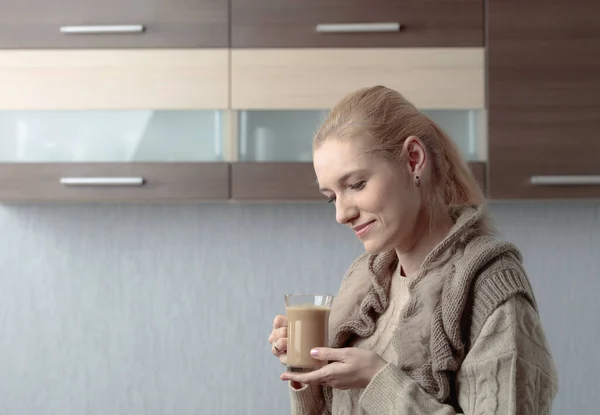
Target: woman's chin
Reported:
[(375, 247)]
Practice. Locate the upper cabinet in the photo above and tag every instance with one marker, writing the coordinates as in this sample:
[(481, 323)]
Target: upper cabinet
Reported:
[(293, 60), (114, 24), (105, 101), (357, 23), (544, 90)]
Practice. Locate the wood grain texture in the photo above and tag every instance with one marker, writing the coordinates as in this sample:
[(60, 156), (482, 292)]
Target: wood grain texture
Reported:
[(114, 79), (274, 181), (544, 96), (318, 78), (164, 182), (479, 170), (291, 23), (291, 181), (26, 24)]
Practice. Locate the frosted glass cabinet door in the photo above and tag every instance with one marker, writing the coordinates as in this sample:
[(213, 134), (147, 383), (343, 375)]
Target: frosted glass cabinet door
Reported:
[(110, 136), (275, 150), (99, 156), (273, 135)]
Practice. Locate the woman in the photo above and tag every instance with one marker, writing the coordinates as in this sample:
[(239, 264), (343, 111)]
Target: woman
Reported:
[(437, 316)]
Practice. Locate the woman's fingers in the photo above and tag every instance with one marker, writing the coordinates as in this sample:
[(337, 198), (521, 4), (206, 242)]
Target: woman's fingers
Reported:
[(276, 334), (278, 338), (280, 321), (280, 347)]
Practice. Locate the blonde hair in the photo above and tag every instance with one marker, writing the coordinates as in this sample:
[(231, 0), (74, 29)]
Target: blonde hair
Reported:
[(385, 118)]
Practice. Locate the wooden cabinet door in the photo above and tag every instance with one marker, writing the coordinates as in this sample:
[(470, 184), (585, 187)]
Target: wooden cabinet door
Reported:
[(113, 23), (544, 99), (113, 182), (356, 23)]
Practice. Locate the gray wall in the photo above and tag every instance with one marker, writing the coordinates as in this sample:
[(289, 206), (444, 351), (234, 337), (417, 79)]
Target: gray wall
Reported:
[(140, 310)]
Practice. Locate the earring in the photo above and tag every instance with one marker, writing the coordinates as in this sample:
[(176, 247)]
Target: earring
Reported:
[(417, 181)]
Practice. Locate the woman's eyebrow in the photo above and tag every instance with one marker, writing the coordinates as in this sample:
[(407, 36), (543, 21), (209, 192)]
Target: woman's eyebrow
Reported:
[(344, 178)]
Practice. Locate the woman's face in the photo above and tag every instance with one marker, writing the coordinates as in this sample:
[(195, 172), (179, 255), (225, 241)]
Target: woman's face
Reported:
[(376, 198)]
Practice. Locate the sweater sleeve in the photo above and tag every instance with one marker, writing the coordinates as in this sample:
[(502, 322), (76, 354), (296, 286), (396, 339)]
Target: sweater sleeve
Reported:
[(509, 370), (308, 400)]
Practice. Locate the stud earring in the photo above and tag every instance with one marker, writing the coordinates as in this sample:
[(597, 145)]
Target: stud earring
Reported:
[(417, 181)]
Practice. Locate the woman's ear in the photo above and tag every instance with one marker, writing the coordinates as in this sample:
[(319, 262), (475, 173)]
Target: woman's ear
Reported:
[(416, 155)]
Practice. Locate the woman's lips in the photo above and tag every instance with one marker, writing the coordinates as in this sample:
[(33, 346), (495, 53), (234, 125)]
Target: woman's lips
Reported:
[(361, 230)]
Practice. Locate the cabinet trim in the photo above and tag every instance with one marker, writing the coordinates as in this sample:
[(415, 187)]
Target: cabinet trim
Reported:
[(114, 79), (317, 78)]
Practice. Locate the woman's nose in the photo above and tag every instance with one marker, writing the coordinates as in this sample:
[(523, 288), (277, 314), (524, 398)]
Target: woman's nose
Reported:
[(345, 211)]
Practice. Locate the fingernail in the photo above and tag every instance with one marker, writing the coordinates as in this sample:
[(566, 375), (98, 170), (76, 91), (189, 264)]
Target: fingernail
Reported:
[(314, 352)]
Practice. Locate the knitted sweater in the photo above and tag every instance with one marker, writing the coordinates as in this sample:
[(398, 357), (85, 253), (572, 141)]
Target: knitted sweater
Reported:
[(469, 338)]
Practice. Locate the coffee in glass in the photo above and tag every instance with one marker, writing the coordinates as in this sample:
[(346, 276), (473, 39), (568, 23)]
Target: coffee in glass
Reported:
[(308, 327)]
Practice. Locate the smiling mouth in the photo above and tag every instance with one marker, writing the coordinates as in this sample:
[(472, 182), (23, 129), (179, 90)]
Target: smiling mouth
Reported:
[(362, 230)]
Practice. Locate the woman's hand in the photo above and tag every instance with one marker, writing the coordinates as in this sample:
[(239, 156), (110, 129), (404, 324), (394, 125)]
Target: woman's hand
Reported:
[(352, 368), (278, 338)]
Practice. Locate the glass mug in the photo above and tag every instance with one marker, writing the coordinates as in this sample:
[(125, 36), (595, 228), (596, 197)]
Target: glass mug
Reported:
[(308, 327)]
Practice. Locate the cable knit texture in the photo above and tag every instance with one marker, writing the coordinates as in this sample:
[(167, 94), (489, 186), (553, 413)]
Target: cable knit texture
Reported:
[(469, 281), (381, 342)]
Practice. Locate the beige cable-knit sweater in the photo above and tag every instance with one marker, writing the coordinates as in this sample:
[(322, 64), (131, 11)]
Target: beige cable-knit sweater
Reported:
[(507, 367)]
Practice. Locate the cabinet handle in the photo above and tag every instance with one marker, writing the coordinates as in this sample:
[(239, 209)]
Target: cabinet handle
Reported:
[(565, 180), (357, 27), (102, 29), (102, 181)]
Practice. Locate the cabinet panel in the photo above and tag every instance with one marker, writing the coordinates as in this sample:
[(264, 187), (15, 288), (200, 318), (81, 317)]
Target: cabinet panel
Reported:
[(450, 78), (113, 182), (110, 136), (291, 181), (42, 24), (274, 181), (544, 95), (115, 79), (356, 23)]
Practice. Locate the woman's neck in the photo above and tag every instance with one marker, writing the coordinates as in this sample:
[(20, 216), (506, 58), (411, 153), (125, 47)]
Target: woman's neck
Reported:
[(426, 238)]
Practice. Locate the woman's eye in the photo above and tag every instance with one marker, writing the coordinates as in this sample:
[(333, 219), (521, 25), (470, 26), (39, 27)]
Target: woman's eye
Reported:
[(331, 199), (358, 185)]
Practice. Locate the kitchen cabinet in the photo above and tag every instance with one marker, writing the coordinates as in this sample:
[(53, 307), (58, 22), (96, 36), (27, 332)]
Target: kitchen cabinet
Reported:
[(40, 24), (275, 150), (103, 156), (356, 23), (149, 101), (290, 61), (544, 95)]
